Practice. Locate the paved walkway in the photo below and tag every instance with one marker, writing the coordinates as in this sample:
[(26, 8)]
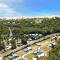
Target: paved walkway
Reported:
[(23, 56), (26, 54), (42, 45)]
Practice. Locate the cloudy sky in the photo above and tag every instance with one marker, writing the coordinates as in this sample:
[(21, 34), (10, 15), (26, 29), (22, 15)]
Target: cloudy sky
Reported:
[(29, 7)]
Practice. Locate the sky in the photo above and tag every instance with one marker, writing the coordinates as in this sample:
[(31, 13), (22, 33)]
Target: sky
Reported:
[(29, 7)]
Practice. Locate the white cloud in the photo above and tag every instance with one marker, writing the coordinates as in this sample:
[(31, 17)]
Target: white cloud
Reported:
[(6, 10), (6, 7)]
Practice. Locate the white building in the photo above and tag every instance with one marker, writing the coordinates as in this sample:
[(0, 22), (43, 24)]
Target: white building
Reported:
[(34, 58), (1, 57)]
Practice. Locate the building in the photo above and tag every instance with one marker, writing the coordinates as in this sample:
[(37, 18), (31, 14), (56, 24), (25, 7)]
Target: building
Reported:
[(1, 57)]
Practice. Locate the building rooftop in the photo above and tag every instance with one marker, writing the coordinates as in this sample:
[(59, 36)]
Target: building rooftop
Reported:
[(25, 17)]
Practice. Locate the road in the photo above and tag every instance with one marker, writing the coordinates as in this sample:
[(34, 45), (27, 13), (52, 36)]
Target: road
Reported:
[(32, 42), (44, 43), (19, 48)]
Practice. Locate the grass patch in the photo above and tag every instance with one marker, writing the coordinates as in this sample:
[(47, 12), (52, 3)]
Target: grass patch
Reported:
[(5, 58), (20, 53), (45, 48), (21, 59), (7, 52), (2, 51), (30, 56)]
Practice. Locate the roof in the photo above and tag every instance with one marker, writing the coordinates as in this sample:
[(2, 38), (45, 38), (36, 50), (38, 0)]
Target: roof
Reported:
[(34, 58), (29, 47), (41, 55), (1, 55), (38, 44)]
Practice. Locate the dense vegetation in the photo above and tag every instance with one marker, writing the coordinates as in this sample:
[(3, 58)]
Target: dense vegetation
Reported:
[(37, 25), (19, 27), (54, 53)]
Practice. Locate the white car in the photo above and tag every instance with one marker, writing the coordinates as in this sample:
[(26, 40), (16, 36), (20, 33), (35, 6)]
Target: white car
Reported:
[(50, 45), (8, 47)]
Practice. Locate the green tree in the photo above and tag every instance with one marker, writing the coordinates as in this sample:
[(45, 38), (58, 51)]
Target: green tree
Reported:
[(54, 54), (13, 44)]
